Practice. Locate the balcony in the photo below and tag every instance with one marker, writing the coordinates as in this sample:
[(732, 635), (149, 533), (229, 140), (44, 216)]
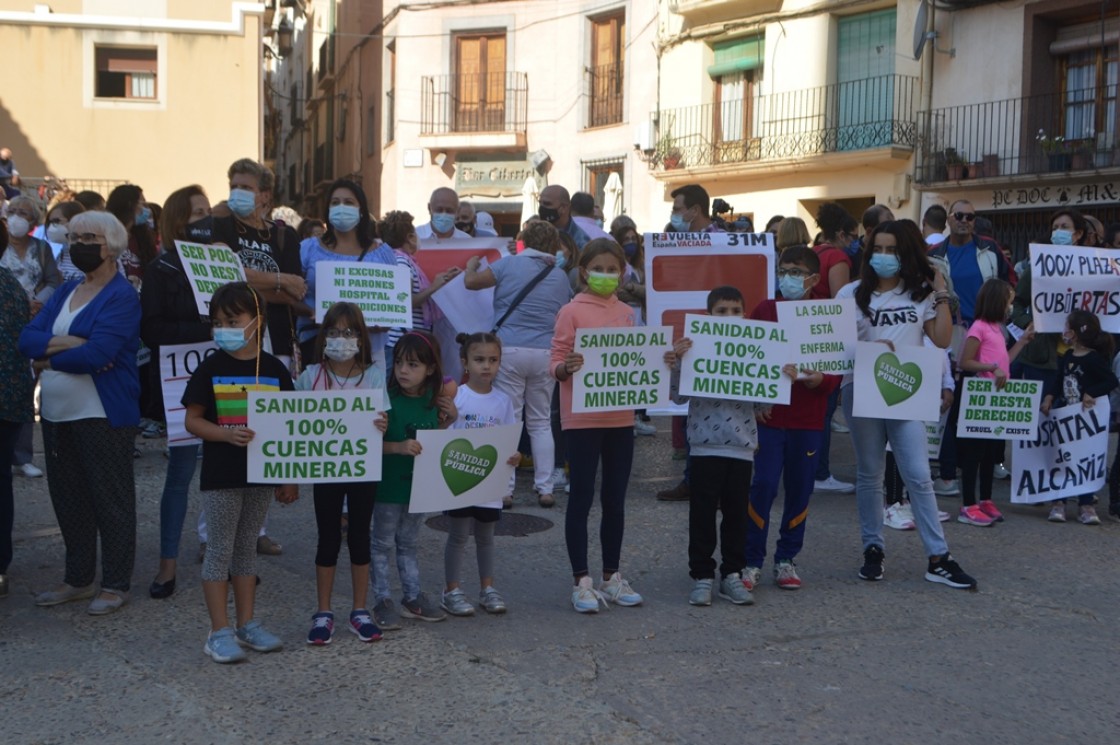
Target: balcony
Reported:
[(326, 64), (605, 84), (474, 111), (1054, 133), (698, 12), (769, 130)]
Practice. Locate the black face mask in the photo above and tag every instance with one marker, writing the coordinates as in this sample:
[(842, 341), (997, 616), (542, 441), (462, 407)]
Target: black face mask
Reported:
[(86, 257), (201, 230), (466, 227), (548, 214)]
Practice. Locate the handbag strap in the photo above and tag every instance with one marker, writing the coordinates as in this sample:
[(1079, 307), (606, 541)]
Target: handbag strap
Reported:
[(521, 296)]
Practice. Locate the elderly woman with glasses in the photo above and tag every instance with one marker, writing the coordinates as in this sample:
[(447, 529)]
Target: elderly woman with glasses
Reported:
[(84, 341)]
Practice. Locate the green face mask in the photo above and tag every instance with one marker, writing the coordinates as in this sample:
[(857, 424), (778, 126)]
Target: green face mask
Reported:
[(602, 283)]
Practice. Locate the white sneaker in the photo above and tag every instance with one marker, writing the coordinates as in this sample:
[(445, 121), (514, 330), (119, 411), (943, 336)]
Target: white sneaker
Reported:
[(619, 591), (942, 516), (1000, 471), (839, 428), (834, 484), (585, 598), (559, 478), (643, 428), (30, 471), (946, 487), (899, 516)]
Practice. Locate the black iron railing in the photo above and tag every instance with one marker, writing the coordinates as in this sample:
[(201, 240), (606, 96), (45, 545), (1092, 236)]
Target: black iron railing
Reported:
[(490, 102), (857, 115), (605, 85), (1071, 131)]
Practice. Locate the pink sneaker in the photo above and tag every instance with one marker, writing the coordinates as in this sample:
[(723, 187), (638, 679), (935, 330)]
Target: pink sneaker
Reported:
[(988, 507), (973, 515)]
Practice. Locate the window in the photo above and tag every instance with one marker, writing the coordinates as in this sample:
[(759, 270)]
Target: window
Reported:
[(126, 73), (480, 82), (1089, 83), (865, 46), (737, 71), (596, 173), (390, 110), (608, 45)]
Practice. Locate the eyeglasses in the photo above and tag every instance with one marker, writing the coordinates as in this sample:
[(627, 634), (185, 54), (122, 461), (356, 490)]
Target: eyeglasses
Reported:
[(86, 238), (795, 273), (963, 216), (343, 333)]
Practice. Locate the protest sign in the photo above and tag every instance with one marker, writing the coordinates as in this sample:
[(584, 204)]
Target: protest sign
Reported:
[(736, 359), (384, 293), (208, 268), (935, 434), (462, 467), (1067, 459), (436, 256), (177, 362), (903, 384), (1068, 278), (1010, 413), (822, 333), (323, 437), (682, 268), (623, 368)]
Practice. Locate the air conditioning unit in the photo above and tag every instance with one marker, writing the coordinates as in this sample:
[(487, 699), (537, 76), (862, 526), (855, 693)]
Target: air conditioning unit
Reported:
[(644, 137)]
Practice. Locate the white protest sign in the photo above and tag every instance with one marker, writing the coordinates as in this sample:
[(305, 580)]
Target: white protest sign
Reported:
[(1007, 414), (903, 384), (935, 435), (323, 437), (384, 293), (177, 362), (1067, 460), (822, 333), (682, 268), (623, 368), (208, 268), (1068, 278), (735, 358), (462, 467)]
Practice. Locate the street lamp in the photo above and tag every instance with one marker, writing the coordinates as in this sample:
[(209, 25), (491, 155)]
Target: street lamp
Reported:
[(284, 37)]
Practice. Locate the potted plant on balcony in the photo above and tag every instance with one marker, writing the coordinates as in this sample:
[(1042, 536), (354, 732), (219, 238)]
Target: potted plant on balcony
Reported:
[(954, 164), (667, 148), (1083, 151), (1056, 150), (991, 165)]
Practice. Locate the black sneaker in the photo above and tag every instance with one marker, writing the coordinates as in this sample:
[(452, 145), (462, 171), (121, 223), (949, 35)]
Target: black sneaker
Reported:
[(872, 569), (1114, 509), (948, 572)]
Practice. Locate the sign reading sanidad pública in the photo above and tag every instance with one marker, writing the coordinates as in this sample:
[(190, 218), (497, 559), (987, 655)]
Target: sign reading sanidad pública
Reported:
[(735, 358), (1010, 413), (623, 368), (903, 383)]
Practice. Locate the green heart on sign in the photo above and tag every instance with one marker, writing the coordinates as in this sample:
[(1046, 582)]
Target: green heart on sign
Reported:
[(465, 467), (897, 382)]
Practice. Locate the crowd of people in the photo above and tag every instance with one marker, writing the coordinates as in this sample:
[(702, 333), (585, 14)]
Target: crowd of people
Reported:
[(92, 288)]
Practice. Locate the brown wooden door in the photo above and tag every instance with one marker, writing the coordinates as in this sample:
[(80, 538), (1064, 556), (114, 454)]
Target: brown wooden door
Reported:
[(480, 83)]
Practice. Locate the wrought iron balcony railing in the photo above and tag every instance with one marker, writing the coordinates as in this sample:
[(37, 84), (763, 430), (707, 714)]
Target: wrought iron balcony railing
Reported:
[(1071, 131), (475, 102), (857, 115), (606, 95)]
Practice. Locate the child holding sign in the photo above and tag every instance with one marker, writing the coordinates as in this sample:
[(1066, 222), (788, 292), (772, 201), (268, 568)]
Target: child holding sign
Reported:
[(343, 345), (722, 437), (985, 354), (1084, 374), (216, 399), (479, 404), (418, 402), (606, 436)]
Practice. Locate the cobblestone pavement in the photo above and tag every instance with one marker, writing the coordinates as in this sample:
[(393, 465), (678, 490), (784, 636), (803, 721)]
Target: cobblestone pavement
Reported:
[(1030, 658)]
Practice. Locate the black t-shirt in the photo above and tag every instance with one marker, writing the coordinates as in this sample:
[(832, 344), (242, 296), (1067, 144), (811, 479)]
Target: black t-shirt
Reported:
[(221, 384), (271, 250)]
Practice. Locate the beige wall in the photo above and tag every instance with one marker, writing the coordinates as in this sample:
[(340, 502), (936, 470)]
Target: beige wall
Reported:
[(206, 115)]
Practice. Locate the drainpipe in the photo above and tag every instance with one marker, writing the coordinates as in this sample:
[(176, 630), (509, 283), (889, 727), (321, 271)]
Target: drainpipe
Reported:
[(927, 76)]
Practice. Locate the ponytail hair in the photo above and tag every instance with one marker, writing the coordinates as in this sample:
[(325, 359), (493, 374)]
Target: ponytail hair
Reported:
[(1086, 328)]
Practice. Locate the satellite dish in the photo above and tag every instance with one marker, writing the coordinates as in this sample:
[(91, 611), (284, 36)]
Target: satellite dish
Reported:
[(920, 30)]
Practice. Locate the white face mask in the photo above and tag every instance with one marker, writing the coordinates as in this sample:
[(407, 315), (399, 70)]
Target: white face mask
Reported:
[(58, 234), (340, 349), (18, 226)]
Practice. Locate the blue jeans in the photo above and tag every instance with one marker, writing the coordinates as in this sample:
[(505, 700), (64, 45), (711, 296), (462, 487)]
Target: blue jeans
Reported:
[(824, 467), (182, 461), (783, 455), (394, 526), (908, 440)]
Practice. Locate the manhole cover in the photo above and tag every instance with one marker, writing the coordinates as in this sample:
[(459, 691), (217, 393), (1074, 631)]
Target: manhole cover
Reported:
[(511, 523)]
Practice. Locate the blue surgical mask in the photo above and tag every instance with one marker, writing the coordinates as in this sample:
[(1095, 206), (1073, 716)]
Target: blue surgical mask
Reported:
[(853, 247), (630, 249), (344, 217), (145, 217), (599, 222), (886, 265), (561, 260), (443, 222), (242, 202), (231, 339), (680, 225), (792, 288), (1061, 237)]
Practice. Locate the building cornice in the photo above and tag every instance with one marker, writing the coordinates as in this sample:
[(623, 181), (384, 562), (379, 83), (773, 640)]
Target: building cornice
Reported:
[(42, 16)]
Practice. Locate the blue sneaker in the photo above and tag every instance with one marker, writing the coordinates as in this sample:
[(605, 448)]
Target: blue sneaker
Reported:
[(619, 591), (585, 598), (322, 629), (221, 646), (362, 624), (254, 636)]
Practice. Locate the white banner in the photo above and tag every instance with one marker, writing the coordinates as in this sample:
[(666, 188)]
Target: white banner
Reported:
[(1068, 278), (384, 293), (903, 384), (822, 333), (1068, 459), (462, 467), (735, 358), (1007, 414), (177, 362), (320, 437), (208, 268), (623, 368)]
